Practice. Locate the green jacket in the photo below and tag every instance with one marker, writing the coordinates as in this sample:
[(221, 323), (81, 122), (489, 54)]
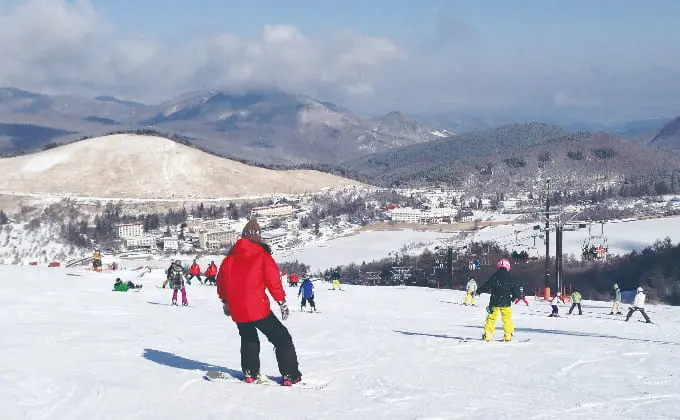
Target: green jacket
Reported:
[(502, 287), (576, 297), (120, 287)]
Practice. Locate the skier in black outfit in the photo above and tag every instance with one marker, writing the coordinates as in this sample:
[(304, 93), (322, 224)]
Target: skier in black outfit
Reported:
[(503, 289)]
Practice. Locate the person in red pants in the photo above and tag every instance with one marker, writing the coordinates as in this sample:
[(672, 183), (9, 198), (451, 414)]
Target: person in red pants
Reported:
[(521, 297)]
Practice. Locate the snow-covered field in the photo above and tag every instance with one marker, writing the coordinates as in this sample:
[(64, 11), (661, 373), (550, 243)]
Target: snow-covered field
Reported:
[(73, 349), (622, 237)]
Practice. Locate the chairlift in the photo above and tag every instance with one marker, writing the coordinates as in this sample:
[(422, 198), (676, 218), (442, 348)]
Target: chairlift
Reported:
[(522, 252), (595, 247)]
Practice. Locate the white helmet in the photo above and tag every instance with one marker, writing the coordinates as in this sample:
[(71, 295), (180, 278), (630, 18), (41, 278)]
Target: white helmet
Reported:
[(640, 289)]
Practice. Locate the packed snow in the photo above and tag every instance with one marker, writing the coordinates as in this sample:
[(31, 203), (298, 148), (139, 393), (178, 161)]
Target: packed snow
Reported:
[(74, 349)]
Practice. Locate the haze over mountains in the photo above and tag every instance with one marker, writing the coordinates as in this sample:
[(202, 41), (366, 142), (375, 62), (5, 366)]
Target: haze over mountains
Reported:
[(266, 126), (277, 129)]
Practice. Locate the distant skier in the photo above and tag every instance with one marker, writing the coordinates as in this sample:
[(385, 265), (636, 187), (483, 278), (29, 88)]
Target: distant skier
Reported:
[(211, 273), (307, 291), (554, 304), (616, 308), (471, 289), (119, 286), (244, 275), (97, 260), (521, 297), (194, 271), (169, 273), (293, 280), (502, 289), (178, 283), (336, 279), (576, 302), (639, 305)]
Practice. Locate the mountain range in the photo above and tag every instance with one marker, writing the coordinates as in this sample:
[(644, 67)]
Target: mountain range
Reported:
[(281, 130), (265, 126)]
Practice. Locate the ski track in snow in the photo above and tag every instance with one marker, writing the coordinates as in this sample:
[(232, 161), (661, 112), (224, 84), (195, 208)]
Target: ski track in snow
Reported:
[(74, 349)]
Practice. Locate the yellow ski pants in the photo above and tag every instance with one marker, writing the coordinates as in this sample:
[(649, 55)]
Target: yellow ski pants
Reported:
[(508, 325), (469, 297), (336, 283)]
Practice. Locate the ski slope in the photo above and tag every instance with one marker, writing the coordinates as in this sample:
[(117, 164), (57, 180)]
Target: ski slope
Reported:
[(73, 349), (622, 237)]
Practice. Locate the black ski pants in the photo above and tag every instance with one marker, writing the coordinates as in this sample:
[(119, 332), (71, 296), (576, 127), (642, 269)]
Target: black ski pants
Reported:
[(310, 300), (574, 305), (278, 335), (642, 311)]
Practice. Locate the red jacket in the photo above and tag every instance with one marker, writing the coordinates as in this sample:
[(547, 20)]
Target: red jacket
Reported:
[(294, 278), (195, 269), (244, 275), (211, 270)]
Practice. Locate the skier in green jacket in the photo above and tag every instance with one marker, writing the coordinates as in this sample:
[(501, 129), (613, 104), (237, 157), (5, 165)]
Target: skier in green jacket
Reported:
[(119, 286), (576, 301)]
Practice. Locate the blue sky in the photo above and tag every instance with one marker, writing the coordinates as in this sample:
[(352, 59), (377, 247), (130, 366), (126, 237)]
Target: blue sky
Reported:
[(618, 58)]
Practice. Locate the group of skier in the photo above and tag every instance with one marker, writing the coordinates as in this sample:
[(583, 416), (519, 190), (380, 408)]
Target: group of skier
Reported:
[(503, 289), (249, 271)]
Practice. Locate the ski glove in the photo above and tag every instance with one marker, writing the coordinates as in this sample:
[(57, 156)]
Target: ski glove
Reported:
[(489, 310), (284, 310), (225, 308)]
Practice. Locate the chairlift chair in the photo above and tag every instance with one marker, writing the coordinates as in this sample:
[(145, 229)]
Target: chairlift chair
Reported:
[(595, 247)]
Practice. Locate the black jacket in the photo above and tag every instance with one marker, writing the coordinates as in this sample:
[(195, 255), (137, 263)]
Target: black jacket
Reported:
[(502, 287)]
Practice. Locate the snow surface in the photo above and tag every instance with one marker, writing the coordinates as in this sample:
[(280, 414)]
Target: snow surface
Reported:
[(40, 162), (74, 349)]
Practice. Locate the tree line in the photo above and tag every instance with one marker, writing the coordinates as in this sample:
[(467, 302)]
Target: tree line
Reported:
[(654, 268)]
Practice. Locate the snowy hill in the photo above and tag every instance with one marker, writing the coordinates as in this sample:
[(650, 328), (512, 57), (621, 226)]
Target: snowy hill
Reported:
[(21, 244), (133, 166), (74, 349)]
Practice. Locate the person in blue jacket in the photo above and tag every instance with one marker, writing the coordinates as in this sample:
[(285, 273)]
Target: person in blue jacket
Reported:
[(307, 292)]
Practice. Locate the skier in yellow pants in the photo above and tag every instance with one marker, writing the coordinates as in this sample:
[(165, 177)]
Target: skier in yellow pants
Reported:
[(471, 289), (336, 280), (503, 289)]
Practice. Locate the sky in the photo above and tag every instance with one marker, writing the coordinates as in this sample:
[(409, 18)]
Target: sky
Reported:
[(599, 59)]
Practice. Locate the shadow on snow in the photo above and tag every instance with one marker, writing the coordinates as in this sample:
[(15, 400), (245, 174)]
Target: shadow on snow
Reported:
[(179, 362), (452, 337)]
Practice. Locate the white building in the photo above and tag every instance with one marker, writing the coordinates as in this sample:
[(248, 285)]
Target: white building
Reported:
[(405, 215), (278, 210), (170, 244), (217, 239), (435, 215), (130, 230), (274, 237), (139, 242)]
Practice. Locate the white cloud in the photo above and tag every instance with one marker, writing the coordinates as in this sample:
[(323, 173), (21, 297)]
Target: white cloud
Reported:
[(62, 46)]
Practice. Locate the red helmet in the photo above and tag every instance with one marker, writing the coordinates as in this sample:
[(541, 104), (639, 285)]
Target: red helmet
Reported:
[(503, 263)]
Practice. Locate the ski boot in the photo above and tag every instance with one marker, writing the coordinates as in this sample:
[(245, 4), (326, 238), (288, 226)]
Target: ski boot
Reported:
[(508, 337), (174, 303), (250, 377), (290, 380)]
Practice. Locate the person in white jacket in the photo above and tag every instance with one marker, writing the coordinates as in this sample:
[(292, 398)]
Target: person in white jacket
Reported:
[(639, 305), (554, 302), (471, 289)]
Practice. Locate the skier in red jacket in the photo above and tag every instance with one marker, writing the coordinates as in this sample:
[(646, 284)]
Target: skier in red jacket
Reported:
[(211, 273), (244, 275), (195, 271)]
